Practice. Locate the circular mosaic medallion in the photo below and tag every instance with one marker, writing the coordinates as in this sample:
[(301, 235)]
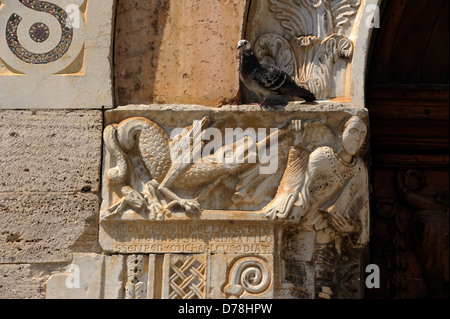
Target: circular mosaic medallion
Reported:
[(39, 32)]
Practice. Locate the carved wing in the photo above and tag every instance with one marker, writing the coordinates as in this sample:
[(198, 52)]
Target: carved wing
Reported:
[(291, 182)]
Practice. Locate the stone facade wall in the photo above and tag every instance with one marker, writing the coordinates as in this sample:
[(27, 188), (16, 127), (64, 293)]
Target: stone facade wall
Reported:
[(58, 95)]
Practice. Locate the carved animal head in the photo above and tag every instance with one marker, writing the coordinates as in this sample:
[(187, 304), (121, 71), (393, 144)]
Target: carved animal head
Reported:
[(244, 45)]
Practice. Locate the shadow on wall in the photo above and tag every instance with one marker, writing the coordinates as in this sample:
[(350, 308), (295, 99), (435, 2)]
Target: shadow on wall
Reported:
[(137, 41), (184, 52)]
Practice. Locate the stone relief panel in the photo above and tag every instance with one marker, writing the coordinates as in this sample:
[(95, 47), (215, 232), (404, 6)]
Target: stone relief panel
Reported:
[(62, 45), (276, 200), (311, 40)]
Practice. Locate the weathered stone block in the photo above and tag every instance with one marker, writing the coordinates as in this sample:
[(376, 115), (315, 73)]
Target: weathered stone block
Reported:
[(42, 227), (18, 282), (89, 276), (83, 279), (50, 151)]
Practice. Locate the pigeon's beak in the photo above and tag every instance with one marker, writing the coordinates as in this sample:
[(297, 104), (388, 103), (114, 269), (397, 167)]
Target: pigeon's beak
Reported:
[(240, 46)]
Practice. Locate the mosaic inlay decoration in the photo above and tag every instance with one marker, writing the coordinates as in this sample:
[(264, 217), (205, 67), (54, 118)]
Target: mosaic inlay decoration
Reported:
[(39, 33)]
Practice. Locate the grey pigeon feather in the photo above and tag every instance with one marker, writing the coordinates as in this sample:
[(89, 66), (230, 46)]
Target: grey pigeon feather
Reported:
[(265, 79)]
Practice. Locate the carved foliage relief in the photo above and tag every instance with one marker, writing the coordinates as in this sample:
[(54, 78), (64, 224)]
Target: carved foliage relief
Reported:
[(311, 40)]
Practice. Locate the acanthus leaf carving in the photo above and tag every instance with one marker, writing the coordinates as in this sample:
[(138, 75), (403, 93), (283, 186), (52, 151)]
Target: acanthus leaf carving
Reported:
[(275, 49), (314, 38)]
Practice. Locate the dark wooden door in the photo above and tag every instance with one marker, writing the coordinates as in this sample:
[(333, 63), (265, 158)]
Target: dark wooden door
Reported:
[(408, 101)]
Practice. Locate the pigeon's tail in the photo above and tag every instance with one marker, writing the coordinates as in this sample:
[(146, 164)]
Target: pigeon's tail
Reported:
[(294, 89)]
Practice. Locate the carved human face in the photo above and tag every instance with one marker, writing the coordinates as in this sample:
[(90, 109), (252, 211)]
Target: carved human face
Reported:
[(354, 135)]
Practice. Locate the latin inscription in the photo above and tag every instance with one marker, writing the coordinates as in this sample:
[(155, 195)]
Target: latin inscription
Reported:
[(188, 237)]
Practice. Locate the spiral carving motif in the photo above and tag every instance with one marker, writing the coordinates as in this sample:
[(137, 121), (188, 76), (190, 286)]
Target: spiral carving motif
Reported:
[(248, 276), (254, 279), (39, 32)]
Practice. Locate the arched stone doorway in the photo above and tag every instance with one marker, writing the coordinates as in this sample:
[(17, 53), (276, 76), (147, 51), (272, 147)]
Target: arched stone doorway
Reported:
[(407, 98)]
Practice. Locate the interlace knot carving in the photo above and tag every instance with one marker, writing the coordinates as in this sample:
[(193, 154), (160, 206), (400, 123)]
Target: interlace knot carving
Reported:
[(188, 278)]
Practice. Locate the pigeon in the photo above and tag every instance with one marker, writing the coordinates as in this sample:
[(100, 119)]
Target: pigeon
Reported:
[(265, 79)]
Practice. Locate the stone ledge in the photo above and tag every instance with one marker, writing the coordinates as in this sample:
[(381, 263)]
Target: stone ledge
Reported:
[(318, 106), (245, 115)]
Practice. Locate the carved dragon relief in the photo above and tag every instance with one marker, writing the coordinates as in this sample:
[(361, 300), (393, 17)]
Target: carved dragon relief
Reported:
[(313, 40), (149, 176), (147, 169)]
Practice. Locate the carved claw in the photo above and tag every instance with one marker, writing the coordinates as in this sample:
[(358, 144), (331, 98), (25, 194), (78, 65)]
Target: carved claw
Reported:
[(113, 211), (190, 205), (157, 211)]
